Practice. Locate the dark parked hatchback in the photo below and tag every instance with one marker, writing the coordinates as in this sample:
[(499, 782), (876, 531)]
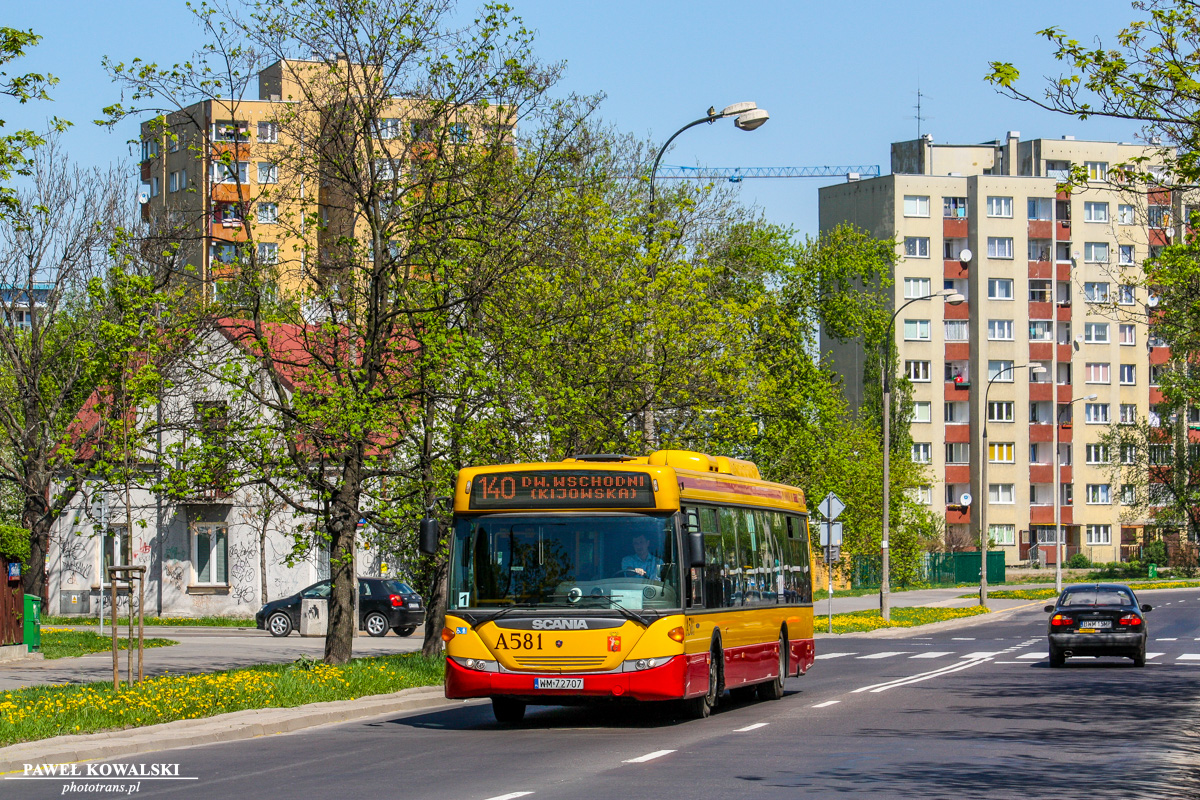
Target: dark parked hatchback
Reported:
[(383, 603), (1097, 619)]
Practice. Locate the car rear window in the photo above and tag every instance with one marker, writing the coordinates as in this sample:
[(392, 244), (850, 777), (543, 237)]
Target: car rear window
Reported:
[(396, 587), (1097, 597)]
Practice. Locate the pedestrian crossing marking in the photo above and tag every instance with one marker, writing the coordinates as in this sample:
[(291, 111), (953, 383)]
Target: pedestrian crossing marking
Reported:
[(979, 655), (931, 655), (833, 655), (1032, 655), (1189, 657), (888, 654)]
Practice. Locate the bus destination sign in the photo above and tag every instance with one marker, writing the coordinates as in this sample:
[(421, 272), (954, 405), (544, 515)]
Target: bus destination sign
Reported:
[(562, 489)]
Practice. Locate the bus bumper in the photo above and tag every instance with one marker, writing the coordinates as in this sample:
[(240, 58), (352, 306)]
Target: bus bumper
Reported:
[(666, 682)]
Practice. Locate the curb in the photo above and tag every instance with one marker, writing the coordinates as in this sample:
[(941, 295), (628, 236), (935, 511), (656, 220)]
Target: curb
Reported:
[(933, 627), (232, 727)]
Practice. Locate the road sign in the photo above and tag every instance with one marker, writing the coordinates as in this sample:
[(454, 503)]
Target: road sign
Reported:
[(832, 554), (831, 507), (831, 534)]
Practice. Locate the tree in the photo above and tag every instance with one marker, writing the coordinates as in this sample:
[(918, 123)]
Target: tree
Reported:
[(16, 148)]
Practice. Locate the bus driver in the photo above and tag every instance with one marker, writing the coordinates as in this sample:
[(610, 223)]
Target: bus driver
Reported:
[(642, 562)]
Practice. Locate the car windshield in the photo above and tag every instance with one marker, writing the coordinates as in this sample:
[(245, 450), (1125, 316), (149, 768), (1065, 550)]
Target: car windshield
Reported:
[(565, 561), (1097, 597)]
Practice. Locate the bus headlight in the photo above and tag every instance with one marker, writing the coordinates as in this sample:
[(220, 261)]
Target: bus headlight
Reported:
[(477, 664), (640, 664)]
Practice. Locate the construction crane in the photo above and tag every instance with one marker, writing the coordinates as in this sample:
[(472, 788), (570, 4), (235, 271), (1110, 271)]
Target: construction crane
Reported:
[(738, 174)]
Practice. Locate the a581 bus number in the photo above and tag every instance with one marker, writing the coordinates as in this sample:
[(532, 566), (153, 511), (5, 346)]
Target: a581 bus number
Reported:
[(519, 641)]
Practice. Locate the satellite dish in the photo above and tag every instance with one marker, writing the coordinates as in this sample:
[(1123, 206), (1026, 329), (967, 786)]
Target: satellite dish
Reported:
[(143, 197), (1170, 233), (965, 499), (965, 255), (1152, 300)]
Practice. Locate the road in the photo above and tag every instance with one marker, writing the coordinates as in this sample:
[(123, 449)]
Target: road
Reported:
[(973, 712)]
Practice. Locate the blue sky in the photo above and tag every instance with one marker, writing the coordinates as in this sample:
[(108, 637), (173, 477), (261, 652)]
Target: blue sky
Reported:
[(839, 79)]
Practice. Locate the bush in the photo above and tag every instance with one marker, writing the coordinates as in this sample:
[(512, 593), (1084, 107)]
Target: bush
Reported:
[(1115, 570), (1155, 553), (1079, 561), (14, 543)]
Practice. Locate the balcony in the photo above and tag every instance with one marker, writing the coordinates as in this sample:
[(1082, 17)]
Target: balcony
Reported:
[(1040, 392), (957, 390), (958, 351), (1041, 432), (958, 515), (960, 311), (1041, 351), (1041, 310), (1040, 269), (952, 268), (1063, 312), (1062, 271), (1160, 355), (1062, 230), (1041, 473), (206, 495), (954, 228), (958, 473), (958, 433)]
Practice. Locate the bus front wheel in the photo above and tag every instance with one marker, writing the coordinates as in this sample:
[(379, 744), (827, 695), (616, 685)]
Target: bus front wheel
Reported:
[(507, 710), (700, 707)]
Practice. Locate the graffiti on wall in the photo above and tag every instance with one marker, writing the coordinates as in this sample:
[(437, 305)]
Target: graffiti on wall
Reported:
[(242, 569), (173, 574), (75, 560)]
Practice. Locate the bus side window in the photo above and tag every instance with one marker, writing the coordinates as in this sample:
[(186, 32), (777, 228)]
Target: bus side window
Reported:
[(750, 562), (714, 560), (798, 538), (782, 557), (731, 566)]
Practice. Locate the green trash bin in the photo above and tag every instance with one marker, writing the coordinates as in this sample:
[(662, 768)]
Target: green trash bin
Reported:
[(1154, 570), (33, 623)]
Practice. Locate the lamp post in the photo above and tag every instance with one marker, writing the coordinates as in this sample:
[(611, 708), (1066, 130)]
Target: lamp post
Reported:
[(747, 116), (952, 298), (1034, 369), (1058, 537)]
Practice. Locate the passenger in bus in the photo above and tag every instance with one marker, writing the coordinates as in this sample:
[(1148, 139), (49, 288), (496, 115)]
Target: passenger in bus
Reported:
[(642, 563)]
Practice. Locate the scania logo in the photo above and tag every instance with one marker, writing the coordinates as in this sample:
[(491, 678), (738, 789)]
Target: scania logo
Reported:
[(560, 625)]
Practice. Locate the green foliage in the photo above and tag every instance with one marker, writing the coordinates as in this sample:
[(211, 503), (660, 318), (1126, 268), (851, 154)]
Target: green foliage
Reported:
[(16, 147), (68, 644), (870, 620), (1116, 570), (1155, 553), (14, 543), (1078, 561)]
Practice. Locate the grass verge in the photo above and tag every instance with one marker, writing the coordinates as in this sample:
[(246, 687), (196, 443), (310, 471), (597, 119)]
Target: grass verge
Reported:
[(61, 643), (860, 621), (1045, 594), (41, 712), (174, 622)]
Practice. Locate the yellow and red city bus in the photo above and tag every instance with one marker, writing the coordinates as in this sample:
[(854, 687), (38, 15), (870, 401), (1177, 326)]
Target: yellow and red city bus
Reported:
[(673, 576)]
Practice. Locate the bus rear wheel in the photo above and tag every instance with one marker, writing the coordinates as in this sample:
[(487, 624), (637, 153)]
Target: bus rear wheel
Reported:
[(773, 690), (507, 710)]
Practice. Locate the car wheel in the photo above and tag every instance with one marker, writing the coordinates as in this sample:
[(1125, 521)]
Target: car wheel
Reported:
[(405, 631), (279, 624), (1056, 657), (1139, 658), (376, 624), (773, 690), (507, 710), (702, 706)]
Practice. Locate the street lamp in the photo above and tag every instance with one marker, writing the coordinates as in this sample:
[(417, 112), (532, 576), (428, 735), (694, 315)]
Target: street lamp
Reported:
[(952, 298), (1058, 537), (1034, 369), (747, 116)]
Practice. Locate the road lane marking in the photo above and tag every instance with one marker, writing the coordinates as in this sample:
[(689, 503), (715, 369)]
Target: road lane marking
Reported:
[(753, 727), (833, 655), (979, 655), (1153, 655), (963, 639), (920, 676), (648, 757), (931, 655), (827, 704), (888, 654), (1168, 639), (1032, 655), (1188, 657), (510, 796)]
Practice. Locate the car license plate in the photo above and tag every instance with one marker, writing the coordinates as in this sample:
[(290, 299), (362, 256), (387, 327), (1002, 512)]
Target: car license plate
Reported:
[(1094, 625), (558, 683)]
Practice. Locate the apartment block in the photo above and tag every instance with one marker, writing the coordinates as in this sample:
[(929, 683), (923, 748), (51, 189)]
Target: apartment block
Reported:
[(1050, 323)]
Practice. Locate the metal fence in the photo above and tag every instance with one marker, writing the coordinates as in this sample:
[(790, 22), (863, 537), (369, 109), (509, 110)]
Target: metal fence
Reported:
[(937, 569)]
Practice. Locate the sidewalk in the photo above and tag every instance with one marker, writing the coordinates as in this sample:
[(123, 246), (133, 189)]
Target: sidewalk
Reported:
[(938, 598)]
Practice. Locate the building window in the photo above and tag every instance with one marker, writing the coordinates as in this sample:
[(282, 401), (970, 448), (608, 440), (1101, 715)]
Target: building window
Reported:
[(1000, 371), (268, 253), (226, 131), (1158, 216), (1096, 453), (1125, 214), (1095, 413), (1126, 295), (1128, 374), (1095, 252), (1128, 494), (1128, 454), (917, 371), (1096, 170), (1040, 291), (916, 246), (268, 132), (229, 173), (922, 411), (1000, 247), (1001, 493), (1125, 254), (916, 205), (1039, 249), (1156, 373), (1095, 332), (149, 149), (1097, 373), (1128, 414), (1041, 331), (957, 412), (1001, 452), (1002, 534), (1127, 334), (956, 330), (1041, 208), (954, 207), (1095, 212), (1000, 207), (210, 543), (958, 453), (225, 253), (173, 182), (154, 186), (916, 330), (1000, 330), (1000, 411), (1099, 534), (390, 128), (1000, 289), (923, 495), (917, 287), (922, 452), (1095, 292), (268, 172), (268, 213)]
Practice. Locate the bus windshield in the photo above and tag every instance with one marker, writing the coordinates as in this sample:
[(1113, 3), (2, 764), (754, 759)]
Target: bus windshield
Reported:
[(565, 561)]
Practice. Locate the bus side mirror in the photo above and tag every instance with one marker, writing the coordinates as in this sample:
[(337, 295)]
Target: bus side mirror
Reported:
[(695, 540), (428, 540)]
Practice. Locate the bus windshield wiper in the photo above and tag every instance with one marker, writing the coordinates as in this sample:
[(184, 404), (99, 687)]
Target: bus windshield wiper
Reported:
[(506, 610), (625, 612)]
